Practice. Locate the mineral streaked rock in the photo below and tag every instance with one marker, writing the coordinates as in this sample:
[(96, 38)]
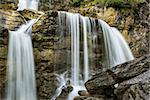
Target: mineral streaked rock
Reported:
[(101, 82), (132, 69), (31, 14), (132, 79), (46, 85), (135, 89), (10, 19)]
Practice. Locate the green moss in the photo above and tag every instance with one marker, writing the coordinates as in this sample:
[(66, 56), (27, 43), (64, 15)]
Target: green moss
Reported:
[(6, 6), (118, 2), (126, 11), (76, 3)]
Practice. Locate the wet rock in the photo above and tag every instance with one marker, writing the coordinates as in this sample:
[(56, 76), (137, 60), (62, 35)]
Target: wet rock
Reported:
[(46, 85), (83, 93), (124, 81), (135, 29), (65, 92), (87, 98), (101, 83), (137, 88), (133, 68), (10, 19)]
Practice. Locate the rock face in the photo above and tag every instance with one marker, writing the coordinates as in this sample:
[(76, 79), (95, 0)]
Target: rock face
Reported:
[(132, 22), (43, 47), (46, 85), (123, 83), (137, 88), (100, 83)]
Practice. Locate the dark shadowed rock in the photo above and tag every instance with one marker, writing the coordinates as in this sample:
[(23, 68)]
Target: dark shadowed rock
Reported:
[(137, 88), (87, 98), (65, 92), (133, 68), (101, 83), (133, 81), (46, 85), (83, 93)]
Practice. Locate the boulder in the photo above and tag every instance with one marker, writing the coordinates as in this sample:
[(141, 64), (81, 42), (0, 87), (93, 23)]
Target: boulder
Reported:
[(137, 88), (102, 84), (129, 81), (133, 68)]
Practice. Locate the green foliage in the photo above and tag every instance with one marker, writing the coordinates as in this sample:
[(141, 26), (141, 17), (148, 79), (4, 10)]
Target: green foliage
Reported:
[(126, 11), (108, 2), (118, 2), (76, 3)]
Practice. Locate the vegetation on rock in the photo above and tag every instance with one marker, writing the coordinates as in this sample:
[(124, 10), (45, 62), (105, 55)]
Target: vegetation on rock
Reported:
[(118, 2)]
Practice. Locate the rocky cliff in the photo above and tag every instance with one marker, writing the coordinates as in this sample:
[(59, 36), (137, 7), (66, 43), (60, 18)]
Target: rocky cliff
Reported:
[(132, 21)]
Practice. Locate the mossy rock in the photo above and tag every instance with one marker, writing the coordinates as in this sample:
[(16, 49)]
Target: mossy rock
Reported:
[(119, 3)]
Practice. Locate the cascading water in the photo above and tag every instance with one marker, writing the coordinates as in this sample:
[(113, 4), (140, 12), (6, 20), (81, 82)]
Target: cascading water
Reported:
[(117, 49), (21, 75), (84, 32), (61, 84), (86, 59), (28, 4)]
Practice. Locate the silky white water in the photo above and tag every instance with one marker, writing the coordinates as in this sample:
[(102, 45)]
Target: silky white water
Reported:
[(61, 84), (84, 33), (79, 73), (75, 47), (28, 4), (117, 49), (86, 59), (21, 75)]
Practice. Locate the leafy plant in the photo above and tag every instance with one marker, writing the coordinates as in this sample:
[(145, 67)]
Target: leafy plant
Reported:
[(76, 3), (118, 2)]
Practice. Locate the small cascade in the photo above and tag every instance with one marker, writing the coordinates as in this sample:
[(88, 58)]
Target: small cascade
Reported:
[(61, 84), (21, 75), (89, 36), (117, 49), (28, 4)]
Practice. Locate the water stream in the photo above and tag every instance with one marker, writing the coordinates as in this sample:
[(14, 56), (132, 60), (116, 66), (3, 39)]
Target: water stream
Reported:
[(28, 4), (21, 72), (84, 36), (117, 49)]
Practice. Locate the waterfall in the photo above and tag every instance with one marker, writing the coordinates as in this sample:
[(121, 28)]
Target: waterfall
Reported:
[(28, 4), (73, 21), (75, 47), (117, 49), (86, 60), (87, 36), (21, 75), (61, 84)]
